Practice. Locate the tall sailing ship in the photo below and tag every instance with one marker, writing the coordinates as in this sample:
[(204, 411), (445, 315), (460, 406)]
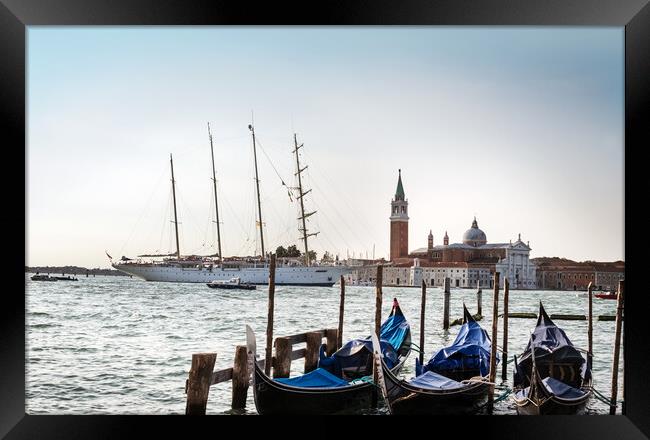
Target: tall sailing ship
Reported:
[(195, 269)]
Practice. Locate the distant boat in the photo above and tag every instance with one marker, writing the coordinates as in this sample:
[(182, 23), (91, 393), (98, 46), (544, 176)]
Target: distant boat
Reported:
[(68, 278), (610, 295), (233, 283), (38, 277)]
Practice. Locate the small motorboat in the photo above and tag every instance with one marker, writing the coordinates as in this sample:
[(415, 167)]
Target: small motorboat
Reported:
[(68, 278), (610, 295), (38, 277), (233, 283)]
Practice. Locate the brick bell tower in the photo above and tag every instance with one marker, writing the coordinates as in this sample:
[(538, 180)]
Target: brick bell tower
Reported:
[(399, 223)]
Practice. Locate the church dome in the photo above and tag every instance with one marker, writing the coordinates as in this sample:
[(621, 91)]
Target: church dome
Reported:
[(474, 236)]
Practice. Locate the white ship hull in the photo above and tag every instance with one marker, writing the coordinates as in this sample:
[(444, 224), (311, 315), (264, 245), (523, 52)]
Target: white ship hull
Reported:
[(294, 276)]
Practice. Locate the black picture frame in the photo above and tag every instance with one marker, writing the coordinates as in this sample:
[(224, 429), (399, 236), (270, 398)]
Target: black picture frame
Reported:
[(634, 15)]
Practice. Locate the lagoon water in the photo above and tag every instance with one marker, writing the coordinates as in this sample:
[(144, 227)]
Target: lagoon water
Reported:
[(119, 345)]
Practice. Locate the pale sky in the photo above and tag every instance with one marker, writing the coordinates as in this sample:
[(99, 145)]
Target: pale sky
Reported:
[(521, 126)]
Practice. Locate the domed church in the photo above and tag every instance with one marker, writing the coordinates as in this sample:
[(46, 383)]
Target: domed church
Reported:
[(474, 236), (470, 263)]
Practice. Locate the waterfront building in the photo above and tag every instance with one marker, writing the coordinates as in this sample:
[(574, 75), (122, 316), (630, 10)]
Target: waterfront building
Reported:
[(563, 274)]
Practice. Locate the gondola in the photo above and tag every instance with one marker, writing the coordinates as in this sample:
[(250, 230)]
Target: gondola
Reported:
[(552, 377), (341, 384), (454, 381)]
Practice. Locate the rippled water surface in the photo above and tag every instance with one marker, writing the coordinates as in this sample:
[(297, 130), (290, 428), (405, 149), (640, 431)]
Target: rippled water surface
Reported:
[(116, 345)]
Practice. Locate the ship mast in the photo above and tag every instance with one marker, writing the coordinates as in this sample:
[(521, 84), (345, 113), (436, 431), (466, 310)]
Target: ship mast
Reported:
[(216, 205), (178, 249), (257, 183), (303, 216)]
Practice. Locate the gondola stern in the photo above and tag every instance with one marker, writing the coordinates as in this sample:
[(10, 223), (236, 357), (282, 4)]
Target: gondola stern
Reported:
[(467, 316)]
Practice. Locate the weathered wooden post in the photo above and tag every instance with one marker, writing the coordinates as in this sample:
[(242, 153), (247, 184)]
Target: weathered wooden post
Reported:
[(282, 361), (493, 351), (504, 366), (422, 307), (590, 328), (375, 373), (198, 383), (479, 300), (269, 322), (314, 341), (339, 342), (240, 378), (617, 346), (445, 313), (378, 292), (331, 335)]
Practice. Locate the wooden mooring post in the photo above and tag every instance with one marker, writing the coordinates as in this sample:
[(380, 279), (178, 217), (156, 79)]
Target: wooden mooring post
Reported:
[(590, 328), (378, 294), (240, 378), (504, 358), (198, 383), (314, 341), (445, 313), (282, 360), (422, 307), (617, 346), (331, 336), (339, 342), (493, 351), (479, 301), (269, 321)]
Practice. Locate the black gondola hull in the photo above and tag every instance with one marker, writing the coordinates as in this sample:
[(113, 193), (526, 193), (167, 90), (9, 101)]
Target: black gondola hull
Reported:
[(404, 398), (272, 397)]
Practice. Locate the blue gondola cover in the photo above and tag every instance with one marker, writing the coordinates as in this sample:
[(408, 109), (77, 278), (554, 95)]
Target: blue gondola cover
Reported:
[(562, 390), (319, 378), (555, 388), (355, 356), (435, 381), (470, 350)]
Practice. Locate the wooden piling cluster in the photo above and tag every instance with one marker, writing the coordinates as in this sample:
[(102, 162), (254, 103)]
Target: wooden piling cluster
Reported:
[(202, 376)]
